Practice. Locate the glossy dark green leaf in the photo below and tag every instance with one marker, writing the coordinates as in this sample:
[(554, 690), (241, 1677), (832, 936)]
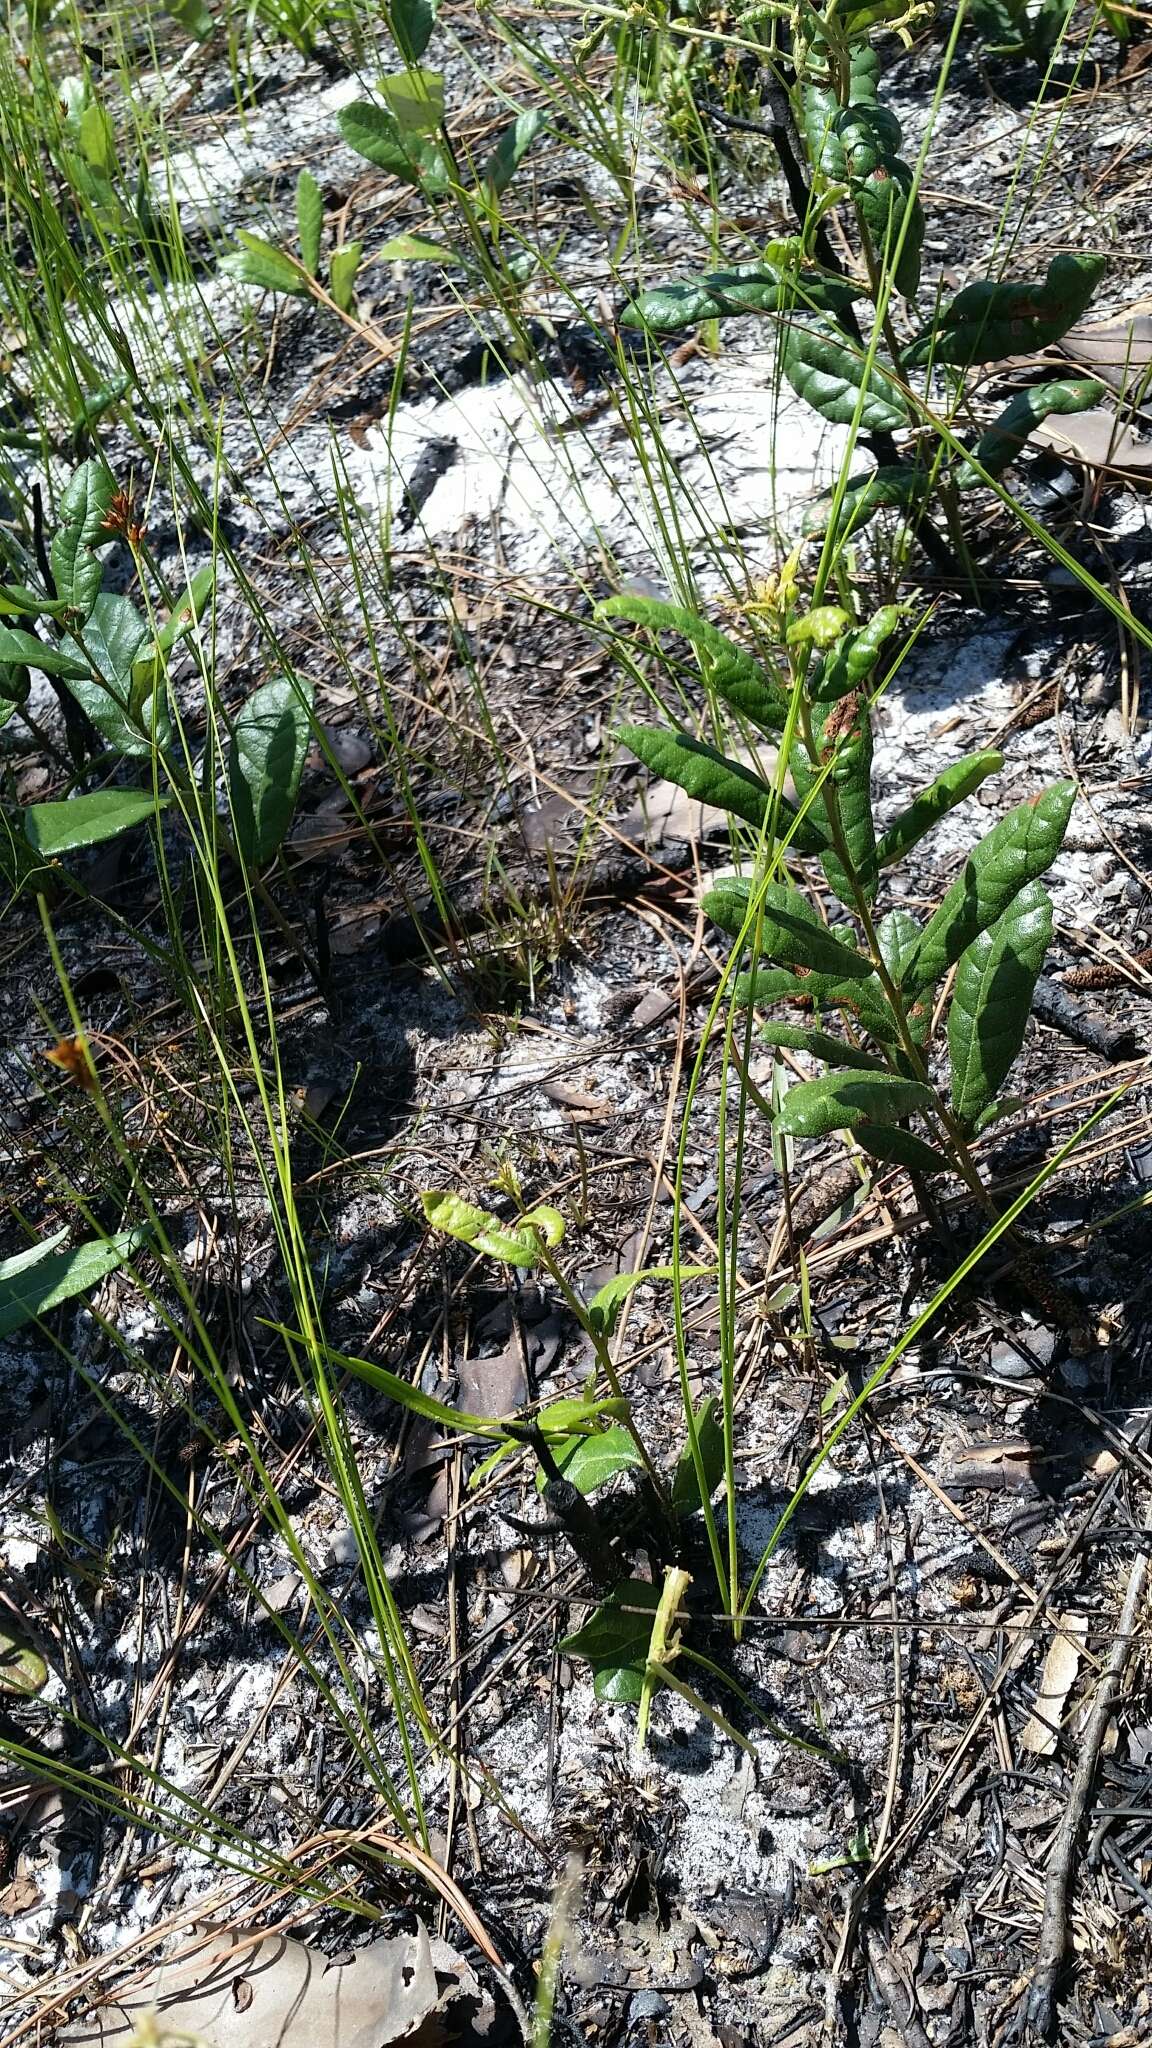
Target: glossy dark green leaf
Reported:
[(881, 184), (741, 288), (84, 506), (898, 488), (842, 734), (309, 221), (615, 1642), (821, 1045), (901, 1148), (950, 788), (112, 637), (1027, 411), (791, 931), (412, 23), (988, 321), (40, 1279), (374, 133), (992, 999), (512, 147), (709, 1422), (23, 650), (841, 1102), (1017, 851), (711, 778), (265, 762), (259, 263), (82, 821), (827, 371), (738, 679)]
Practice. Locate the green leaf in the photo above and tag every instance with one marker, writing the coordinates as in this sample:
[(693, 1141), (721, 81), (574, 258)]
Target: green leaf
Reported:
[(741, 288), (265, 762), (23, 650), (881, 184), (1017, 851), (822, 1046), (606, 1304), (188, 610), (86, 503), (81, 821), (766, 984), (414, 249), (827, 371), (615, 1643), (898, 936), (992, 999), (343, 265), (901, 1148), (842, 733), (374, 132), (851, 665), (412, 23), (899, 487), (512, 146), (792, 933), (95, 404), (193, 17), (40, 1279), (98, 139), (416, 98), (517, 1244), (408, 1396), (950, 788), (736, 676), (309, 221), (111, 638), (711, 778), (988, 321), (1027, 411), (588, 1462), (23, 1672), (710, 1440), (840, 1102), (258, 263)]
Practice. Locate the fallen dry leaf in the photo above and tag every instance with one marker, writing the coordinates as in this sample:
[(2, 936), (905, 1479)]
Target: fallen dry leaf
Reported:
[(1056, 1681), (994, 1465), (1118, 350), (1097, 438), (279, 1993)]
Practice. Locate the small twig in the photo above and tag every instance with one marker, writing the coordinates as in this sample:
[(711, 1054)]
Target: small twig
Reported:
[(1041, 2008)]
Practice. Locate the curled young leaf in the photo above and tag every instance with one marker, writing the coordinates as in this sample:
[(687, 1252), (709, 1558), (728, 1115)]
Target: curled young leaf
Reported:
[(950, 788), (992, 999), (850, 665), (1017, 851), (894, 486), (517, 1243)]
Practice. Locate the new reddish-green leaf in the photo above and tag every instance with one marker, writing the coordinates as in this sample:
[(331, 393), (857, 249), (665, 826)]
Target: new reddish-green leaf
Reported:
[(992, 999), (841, 1102), (1017, 851)]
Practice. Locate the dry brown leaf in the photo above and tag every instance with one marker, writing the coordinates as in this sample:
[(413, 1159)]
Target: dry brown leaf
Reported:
[(279, 1993), (1056, 1681), (1007, 1464), (1097, 438), (1117, 350)]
